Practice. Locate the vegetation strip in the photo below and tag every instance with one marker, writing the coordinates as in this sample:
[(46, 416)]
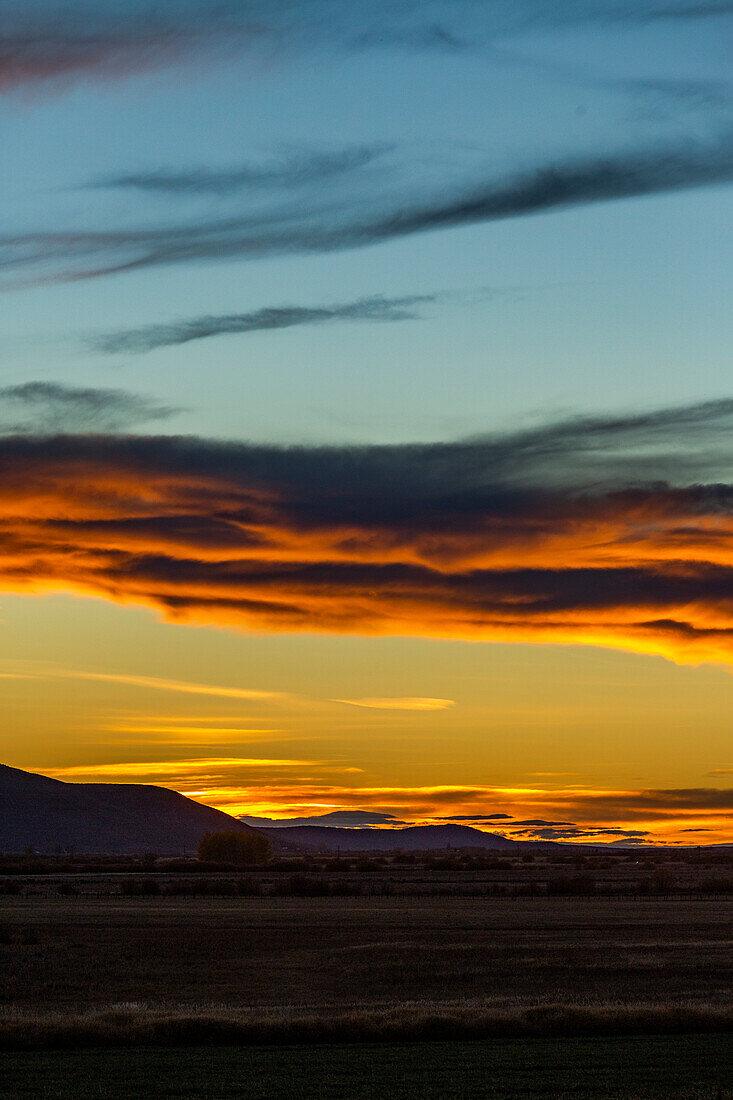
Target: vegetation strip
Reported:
[(402, 1023)]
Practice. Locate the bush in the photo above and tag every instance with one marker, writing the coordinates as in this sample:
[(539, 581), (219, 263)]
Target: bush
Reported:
[(139, 888), (571, 886), (234, 847)]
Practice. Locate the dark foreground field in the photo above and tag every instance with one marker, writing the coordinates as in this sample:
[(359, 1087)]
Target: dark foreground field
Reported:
[(108, 995), (345, 953), (684, 1068)]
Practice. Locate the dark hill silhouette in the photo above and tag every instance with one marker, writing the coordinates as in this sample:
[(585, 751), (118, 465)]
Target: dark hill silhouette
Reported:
[(110, 818), (414, 838)]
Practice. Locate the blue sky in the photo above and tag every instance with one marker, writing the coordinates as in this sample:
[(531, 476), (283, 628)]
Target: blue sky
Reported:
[(569, 309)]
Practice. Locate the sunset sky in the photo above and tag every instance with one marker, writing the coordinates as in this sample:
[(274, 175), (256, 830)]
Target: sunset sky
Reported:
[(366, 408)]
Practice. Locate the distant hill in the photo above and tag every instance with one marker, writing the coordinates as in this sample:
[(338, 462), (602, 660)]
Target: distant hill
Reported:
[(414, 838), (110, 818), (350, 819)]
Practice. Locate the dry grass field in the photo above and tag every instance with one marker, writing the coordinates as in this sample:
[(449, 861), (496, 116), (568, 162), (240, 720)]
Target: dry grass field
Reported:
[(604, 996), (345, 953)]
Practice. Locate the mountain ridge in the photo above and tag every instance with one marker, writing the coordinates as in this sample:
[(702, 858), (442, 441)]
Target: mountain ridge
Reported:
[(412, 838), (94, 818)]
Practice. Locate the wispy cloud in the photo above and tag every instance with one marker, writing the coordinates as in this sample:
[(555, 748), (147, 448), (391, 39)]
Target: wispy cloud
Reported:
[(53, 42), (692, 11), (201, 768), (612, 530), (377, 309), (554, 185), (154, 683), (53, 407), (288, 169), (476, 819), (181, 733), (418, 703)]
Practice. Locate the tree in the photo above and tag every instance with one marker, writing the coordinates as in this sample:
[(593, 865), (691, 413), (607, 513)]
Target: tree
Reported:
[(234, 847)]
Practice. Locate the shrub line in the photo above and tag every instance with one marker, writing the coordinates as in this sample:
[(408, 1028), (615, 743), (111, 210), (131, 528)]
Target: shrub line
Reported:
[(150, 1027)]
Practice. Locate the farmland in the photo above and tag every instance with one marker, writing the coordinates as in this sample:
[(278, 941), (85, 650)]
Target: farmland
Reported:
[(260, 987)]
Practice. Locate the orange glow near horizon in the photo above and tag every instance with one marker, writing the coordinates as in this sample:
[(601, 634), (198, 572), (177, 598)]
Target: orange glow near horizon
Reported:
[(571, 813)]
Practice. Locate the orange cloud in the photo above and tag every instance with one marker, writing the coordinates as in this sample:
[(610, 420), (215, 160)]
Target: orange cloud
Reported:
[(556, 535), (408, 703), (170, 768), (154, 682)]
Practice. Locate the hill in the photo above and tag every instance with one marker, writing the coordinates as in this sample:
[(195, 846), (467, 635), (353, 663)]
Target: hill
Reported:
[(414, 838), (110, 818)]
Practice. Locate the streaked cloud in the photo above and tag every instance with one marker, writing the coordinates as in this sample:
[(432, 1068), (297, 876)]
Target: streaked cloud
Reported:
[(169, 768), (184, 734), (409, 703), (358, 221), (49, 42), (613, 531), (195, 731), (475, 818), (156, 683), (287, 169), (52, 407), (270, 319)]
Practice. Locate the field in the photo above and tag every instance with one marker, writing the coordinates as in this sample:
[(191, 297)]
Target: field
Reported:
[(685, 1068), (342, 953), (215, 996)]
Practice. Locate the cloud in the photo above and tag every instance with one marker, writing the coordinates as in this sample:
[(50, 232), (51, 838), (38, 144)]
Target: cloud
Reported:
[(476, 817), (653, 98), (658, 96), (51, 42), (52, 407), (349, 819), (555, 185), (587, 836), (154, 683), (400, 704), (531, 822), (612, 531), (153, 769), (182, 733), (291, 168), (261, 320), (692, 11), (539, 829), (430, 37)]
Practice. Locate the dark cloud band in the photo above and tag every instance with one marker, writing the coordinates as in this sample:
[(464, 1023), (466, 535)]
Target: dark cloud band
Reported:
[(48, 40), (271, 319), (52, 407), (595, 531), (290, 169)]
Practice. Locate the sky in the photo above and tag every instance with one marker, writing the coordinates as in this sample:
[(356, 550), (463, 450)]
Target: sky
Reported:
[(366, 418)]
